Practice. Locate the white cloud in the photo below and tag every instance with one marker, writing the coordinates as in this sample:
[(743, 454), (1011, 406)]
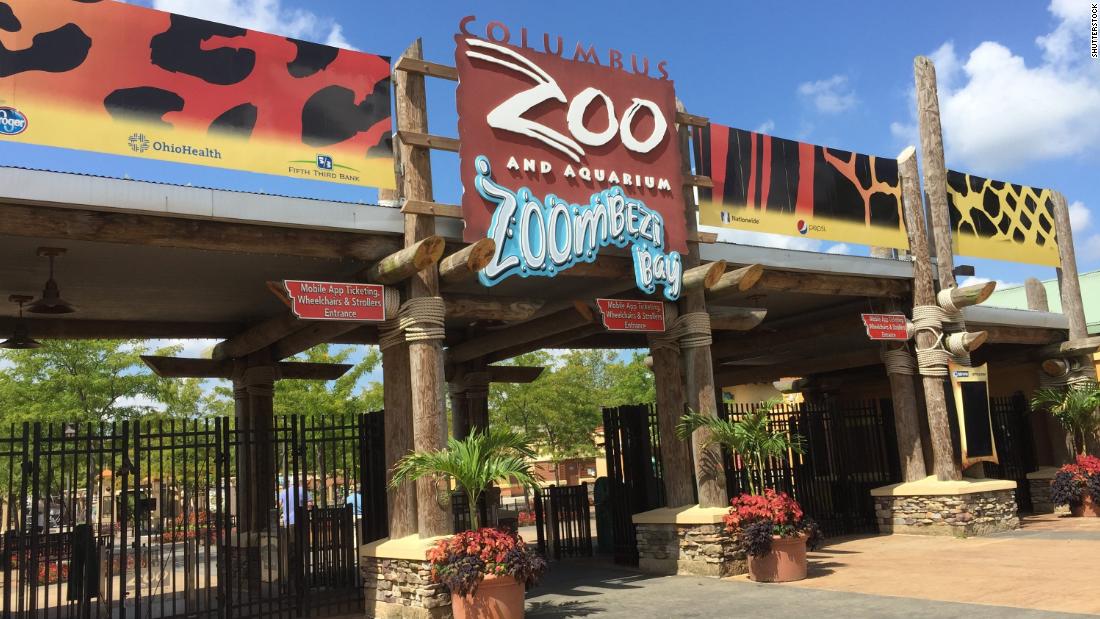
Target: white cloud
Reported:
[(840, 249), (263, 15), (999, 114), (193, 348), (766, 127), (829, 96), (971, 280), (1079, 216)]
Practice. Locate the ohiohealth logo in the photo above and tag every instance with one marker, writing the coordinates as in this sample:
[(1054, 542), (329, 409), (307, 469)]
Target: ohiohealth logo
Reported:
[(802, 227), (139, 143), (12, 121)]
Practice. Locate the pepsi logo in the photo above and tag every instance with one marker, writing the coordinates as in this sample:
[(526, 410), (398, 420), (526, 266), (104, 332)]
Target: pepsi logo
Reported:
[(802, 227)]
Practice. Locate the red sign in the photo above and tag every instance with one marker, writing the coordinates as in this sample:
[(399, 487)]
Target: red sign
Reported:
[(886, 326), (625, 315), (336, 301), (562, 125)]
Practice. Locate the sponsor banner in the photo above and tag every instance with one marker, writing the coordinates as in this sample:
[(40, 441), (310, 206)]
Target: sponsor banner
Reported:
[(768, 184), (886, 326), (1002, 221), (116, 78), (347, 302), (629, 315), (564, 152), (970, 391)]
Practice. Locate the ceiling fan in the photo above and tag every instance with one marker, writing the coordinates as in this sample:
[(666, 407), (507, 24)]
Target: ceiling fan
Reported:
[(51, 301)]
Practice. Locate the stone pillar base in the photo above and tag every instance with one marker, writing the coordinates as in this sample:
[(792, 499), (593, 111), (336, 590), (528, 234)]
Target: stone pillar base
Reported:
[(1039, 484), (397, 579), (688, 540), (960, 508)]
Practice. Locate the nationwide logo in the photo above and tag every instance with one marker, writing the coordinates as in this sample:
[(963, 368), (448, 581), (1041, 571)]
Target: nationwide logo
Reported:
[(139, 143), (12, 121)]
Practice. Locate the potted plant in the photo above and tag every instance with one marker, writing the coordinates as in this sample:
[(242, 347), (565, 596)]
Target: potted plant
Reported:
[(1078, 486), (1075, 406), (485, 569), (773, 532)]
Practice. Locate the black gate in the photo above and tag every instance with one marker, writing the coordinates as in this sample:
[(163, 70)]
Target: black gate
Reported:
[(150, 519), (563, 521), (1015, 446), (632, 448)]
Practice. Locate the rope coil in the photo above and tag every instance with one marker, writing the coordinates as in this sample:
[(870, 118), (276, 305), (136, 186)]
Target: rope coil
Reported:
[(419, 319), (899, 361), (688, 331)]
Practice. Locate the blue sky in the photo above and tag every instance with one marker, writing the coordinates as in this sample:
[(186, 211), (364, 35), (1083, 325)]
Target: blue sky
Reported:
[(1020, 95)]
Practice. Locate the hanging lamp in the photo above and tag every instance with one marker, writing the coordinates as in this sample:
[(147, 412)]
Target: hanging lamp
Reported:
[(51, 301), (20, 339)]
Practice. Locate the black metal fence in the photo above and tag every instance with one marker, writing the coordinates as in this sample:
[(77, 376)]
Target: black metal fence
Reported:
[(188, 518), (1015, 445), (563, 518), (632, 449)]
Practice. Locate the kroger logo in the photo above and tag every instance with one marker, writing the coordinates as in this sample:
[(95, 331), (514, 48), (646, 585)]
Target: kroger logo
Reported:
[(324, 162), (12, 121), (139, 143)]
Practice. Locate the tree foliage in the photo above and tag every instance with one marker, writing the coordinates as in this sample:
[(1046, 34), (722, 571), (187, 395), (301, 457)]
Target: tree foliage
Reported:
[(1075, 407)]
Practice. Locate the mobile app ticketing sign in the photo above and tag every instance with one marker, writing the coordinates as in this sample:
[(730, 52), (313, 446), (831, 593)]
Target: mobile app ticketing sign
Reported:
[(630, 315), (566, 150), (336, 301), (116, 78)]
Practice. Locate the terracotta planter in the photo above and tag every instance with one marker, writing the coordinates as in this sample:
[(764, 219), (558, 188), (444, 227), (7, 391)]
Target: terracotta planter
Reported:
[(1087, 509), (785, 563), (497, 597)]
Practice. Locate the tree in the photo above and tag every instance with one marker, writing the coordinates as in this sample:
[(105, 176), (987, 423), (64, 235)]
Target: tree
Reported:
[(1075, 406), (73, 381), (474, 463), (631, 382)]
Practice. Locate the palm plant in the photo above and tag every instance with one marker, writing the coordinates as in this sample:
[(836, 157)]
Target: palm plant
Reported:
[(1075, 406), (750, 437), (474, 463)]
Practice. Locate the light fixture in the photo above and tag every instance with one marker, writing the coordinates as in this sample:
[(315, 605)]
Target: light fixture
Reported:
[(963, 270), (51, 301), (20, 339)]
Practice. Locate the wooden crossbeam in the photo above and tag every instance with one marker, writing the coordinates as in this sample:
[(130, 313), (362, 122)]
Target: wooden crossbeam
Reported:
[(801, 367), (202, 234), (818, 283), (1082, 346), (435, 209), (404, 263), (425, 140), (185, 367), (1023, 335), (530, 331), (735, 318), (423, 67), (77, 329), (465, 263), (507, 309), (697, 180), (514, 373), (557, 340), (692, 120), (737, 280), (795, 331)]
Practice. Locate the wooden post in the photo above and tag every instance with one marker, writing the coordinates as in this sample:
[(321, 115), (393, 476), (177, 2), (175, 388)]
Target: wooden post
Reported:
[(397, 401), (710, 476), (935, 170), (924, 293), (425, 356), (1036, 295), (477, 397), (1069, 286), (676, 464), (906, 417), (256, 469)]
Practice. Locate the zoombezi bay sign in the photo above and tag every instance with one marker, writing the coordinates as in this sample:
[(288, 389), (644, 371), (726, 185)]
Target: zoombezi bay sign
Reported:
[(568, 151)]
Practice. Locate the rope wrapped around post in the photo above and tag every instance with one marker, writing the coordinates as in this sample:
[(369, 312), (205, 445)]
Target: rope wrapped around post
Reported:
[(688, 331), (899, 361), (419, 319), (1073, 376)]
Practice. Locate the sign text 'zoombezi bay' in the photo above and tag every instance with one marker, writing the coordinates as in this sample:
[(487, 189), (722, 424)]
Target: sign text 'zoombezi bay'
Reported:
[(542, 237)]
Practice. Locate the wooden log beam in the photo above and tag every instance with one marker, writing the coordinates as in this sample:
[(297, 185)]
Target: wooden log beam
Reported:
[(435, 209), (704, 276), (935, 170), (404, 263), (514, 373), (729, 377), (817, 283), (491, 342), (76, 329), (795, 333), (72, 224), (186, 367), (424, 140), (506, 309), (465, 263), (737, 280), (1036, 294), (260, 336), (1022, 335), (965, 296), (314, 333), (1082, 346), (429, 69), (735, 318), (558, 340)]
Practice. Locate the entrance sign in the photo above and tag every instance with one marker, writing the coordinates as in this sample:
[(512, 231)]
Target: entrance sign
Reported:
[(970, 387), (768, 184), (629, 315), (122, 79), (563, 156), (1002, 221), (346, 302), (886, 326)]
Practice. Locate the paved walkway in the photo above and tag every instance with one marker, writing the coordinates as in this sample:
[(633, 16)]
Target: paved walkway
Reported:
[(1043, 570)]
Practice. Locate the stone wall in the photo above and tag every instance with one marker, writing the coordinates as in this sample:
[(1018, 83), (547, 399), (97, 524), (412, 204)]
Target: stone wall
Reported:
[(979, 513), (695, 549), (402, 589), (1040, 496)]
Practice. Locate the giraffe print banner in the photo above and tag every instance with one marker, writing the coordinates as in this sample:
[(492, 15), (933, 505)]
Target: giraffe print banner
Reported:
[(999, 220)]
